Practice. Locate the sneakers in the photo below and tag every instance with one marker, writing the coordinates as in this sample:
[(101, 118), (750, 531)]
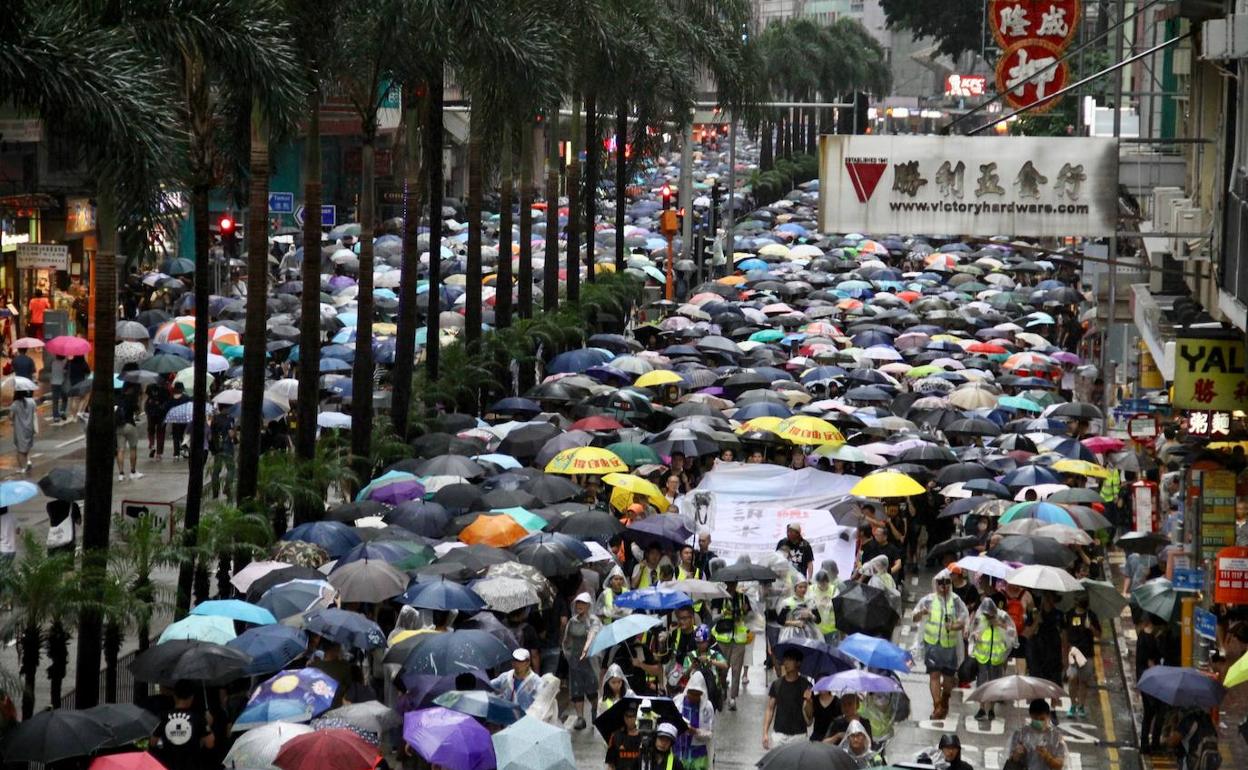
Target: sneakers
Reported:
[(121, 477), (981, 715), (135, 476), (1083, 712), (1072, 712), (732, 704)]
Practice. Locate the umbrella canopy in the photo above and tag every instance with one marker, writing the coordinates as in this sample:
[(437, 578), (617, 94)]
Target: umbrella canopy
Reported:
[(482, 705), (865, 609), (235, 609), (887, 484), (128, 722), (258, 747), (130, 760), (800, 755), (67, 484), (296, 695), (454, 652), (271, 648), (531, 744), (876, 653), (1182, 687), (51, 736), (443, 595), (448, 739), (350, 629), (857, 681), (368, 581), (1014, 687), (338, 748), (191, 660), (621, 630)]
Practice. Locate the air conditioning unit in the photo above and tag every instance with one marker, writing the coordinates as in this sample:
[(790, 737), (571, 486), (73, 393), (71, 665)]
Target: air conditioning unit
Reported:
[(1166, 216), (1160, 209), (1189, 219)]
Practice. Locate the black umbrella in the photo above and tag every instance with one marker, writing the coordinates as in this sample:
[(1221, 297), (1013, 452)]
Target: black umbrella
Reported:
[(525, 442), (489, 623), (963, 505), (67, 484), (590, 525), (477, 557), (455, 652), (962, 472), (552, 489), (500, 499), (212, 664), (865, 609), (974, 426), (954, 545), (129, 723), (1143, 542), (423, 517), (744, 572), (1078, 410), (449, 465), (551, 558), (347, 513), (462, 497), (1014, 442), (279, 576), (801, 755), (454, 422), (435, 444), (818, 657), (51, 736), (1030, 549), (610, 721), (928, 455)]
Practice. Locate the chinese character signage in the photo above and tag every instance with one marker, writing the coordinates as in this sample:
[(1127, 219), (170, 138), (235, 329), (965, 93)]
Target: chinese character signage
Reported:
[(1209, 374), (1230, 580), (1211, 425), (42, 256), (1026, 186), (965, 85), (1033, 35)]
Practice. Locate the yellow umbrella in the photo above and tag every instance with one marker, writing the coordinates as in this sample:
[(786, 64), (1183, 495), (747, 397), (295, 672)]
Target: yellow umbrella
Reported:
[(634, 485), (732, 280), (1237, 673), (769, 424), (809, 431), (1081, 467), (659, 377), (887, 484), (592, 460)]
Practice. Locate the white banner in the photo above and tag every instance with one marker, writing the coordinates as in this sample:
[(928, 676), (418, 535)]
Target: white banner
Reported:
[(36, 256), (961, 185), (747, 509)]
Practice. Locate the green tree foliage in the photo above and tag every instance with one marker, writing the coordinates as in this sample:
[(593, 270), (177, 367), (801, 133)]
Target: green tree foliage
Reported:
[(956, 25)]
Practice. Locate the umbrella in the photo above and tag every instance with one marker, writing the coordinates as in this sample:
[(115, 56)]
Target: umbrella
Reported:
[(586, 460), (16, 492), (744, 572), (461, 651), (589, 525), (448, 739), (1014, 687), (664, 709), (1148, 543), (67, 346), (505, 594), (368, 580), (271, 648), (350, 629), (50, 736), (698, 589), (338, 748), (201, 628), (818, 658), (335, 537), (258, 747), (551, 558), (296, 695), (1032, 550), (130, 760), (1182, 687), (129, 723), (665, 530), (296, 597), (653, 599), (498, 530), (887, 484), (369, 716), (621, 630), (865, 609), (531, 744), (1103, 598), (876, 653), (1044, 578), (1157, 597), (801, 755), (482, 705), (443, 595), (856, 680), (1238, 672), (206, 662), (67, 484), (247, 576), (235, 610), (985, 565)]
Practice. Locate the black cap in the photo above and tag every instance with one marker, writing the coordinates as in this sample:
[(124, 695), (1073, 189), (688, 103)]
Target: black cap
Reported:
[(949, 739)]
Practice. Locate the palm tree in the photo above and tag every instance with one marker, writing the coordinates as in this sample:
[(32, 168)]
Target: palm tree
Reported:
[(503, 284), (524, 289), (227, 533), (130, 596), (550, 268), (37, 585), (415, 113)]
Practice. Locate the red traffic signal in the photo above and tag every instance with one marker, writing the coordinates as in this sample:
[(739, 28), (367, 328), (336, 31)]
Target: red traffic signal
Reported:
[(666, 193), (226, 224)]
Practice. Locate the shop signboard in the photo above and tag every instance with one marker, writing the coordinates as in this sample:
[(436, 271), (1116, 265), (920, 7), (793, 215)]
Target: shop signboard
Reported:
[(42, 256), (1209, 374), (1142, 427), (1230, 578), (963, 86), (1188, 579), (1034, 186), (1217, 511), (1203, 423), (1033, 35)]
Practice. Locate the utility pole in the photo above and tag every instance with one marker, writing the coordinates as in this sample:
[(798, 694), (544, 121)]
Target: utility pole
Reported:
[(730, 245), (686, 190), (1108, 375)]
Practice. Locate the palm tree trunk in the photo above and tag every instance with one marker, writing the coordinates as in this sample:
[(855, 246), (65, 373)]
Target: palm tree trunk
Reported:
[(550, 271), (199, 408), (433, 167), (472, 277), (812, 132), (113, 639), (766, 153), (362, 374), (58, 661), (405, 335), (503, 283), (310, 331), (101, 436), (574, 201), (524, 290), (593, 157), (621, 182), (257, 310), (28, 650)]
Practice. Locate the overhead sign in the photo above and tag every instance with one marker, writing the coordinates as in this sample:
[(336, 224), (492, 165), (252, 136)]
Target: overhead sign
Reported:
[(1209, 374), (1142, 427), (1054, 21), (21, 130), (1033, 35), (42, 256), (965, 85), (329, 215), (281, 203), (1027, 186), (1230, 581), (1206, 424)]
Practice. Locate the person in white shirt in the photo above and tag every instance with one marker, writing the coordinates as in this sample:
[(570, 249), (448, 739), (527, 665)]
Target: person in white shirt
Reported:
[(521, 683)]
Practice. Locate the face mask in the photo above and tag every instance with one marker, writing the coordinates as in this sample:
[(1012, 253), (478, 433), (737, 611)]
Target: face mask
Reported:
[(1038, 723)]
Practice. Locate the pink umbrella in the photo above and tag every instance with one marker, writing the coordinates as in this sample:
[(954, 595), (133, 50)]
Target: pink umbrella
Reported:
[(68, 346), (1103, 444), (27, 343)]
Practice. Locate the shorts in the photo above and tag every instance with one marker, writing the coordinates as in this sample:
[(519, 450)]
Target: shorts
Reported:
[(127, 435), (1083, 674), (939, 659), (1021, 649)]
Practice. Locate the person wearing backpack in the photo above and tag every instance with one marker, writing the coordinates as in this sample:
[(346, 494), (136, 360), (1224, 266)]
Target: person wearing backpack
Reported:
[(1193, 738), (221, 441)]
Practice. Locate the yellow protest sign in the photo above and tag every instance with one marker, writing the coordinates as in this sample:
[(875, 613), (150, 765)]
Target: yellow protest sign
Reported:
[(1210, 374)]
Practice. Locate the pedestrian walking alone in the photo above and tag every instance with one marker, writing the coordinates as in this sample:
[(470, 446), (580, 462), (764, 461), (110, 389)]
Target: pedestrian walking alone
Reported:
[(25, 427), (944, 617), (59, 380), (991, 639), (126, 414), (221, 441)]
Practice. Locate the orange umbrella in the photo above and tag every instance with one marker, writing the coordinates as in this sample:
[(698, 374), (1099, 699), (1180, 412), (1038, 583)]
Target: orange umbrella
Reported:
[(498, 531)]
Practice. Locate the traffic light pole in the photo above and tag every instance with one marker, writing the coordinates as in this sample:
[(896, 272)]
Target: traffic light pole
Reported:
[(669, 226)]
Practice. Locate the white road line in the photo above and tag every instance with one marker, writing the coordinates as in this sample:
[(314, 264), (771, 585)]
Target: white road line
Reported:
[(74, 440)]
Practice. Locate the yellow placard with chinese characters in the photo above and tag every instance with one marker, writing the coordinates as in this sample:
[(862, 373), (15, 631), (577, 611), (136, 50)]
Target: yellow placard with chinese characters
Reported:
[(1209, 374)]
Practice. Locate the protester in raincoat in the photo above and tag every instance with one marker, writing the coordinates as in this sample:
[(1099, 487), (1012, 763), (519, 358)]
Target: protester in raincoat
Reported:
[(944, 617), (693, 747), (825, 590), (614, 687), (876, 575), (605, 607), (858, 745), (797, 614), (578, 635), (991, 638)]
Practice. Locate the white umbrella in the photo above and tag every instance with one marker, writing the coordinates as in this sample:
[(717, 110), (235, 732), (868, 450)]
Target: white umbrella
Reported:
[(1064, 534), (243, 579), (698, 589), (21, 383), (333, 420), (228, 398), (286, 390), (257, 748), (985, 565), (1044, 578), (1012, 688), (505, 594)]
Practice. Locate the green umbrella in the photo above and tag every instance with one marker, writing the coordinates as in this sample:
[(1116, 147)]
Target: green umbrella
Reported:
[(924, 371), (635, 455), (1157, 597), (524, 517), (767, 335), (1103, 599)]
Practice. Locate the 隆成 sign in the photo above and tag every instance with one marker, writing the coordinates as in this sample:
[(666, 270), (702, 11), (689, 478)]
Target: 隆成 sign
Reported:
[(1026, 186), (42, 256), (1209, 374)]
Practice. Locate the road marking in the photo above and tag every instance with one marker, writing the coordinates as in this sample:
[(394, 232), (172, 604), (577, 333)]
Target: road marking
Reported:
[(73, 440), (994, 759), (1107, 713)]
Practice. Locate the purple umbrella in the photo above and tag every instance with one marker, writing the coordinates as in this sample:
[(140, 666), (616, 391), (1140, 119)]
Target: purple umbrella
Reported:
[(402, 491), (340, 282), (1066, 357), (449, 738), (423, 688), (857, 680)]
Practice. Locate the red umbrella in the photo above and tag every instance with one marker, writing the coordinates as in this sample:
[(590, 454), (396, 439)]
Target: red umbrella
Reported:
[(68, 346), (131, 760), (596, 422), (336, 747), (1103, 444)]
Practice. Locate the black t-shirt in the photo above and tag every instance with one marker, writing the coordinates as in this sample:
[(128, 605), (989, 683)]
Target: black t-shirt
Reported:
[(824, 716), (624, 751), (1079, 631), (789, 698), (874, 549), (800, 554), (1147, 651), (969, 595), (178, 737)]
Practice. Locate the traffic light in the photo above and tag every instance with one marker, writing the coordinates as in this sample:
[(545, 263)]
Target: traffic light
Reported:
[(666, 193), (226, 226)]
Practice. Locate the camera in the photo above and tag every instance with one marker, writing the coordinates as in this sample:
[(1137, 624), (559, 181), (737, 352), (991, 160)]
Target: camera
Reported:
[(647, 720)]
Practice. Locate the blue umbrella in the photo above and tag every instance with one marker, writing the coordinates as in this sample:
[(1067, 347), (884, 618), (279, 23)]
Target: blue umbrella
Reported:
[(654, 599), (339, 351), (532, 744), (857, 681), (335, 537), (15, 492), (455, 652), (199, 628), (295, 597), (388, 551), (482, 705), (579, 360), (760, 409), (1029, 476), (443, 595), (506, 462), (235, 609), (180, 414), (295, 695), (515, 405), (270, 647), (424, 517), (1182, 687), (334, 365), (350, 629), (876, 653), (987, 486), (622, 629)]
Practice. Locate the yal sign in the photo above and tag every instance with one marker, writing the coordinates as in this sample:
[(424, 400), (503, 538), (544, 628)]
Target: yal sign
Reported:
[(1027, 186), (1209, 374)]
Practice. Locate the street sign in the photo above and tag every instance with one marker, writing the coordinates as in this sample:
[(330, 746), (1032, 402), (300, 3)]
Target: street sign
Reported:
[(42, 256), (329, 215), (1188, 580), (281, 203), (1206, 623)]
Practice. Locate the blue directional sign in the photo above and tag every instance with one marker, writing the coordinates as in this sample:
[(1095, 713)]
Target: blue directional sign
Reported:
[(1206, 623), (281, 203), (329, 215), (1188, 580)]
